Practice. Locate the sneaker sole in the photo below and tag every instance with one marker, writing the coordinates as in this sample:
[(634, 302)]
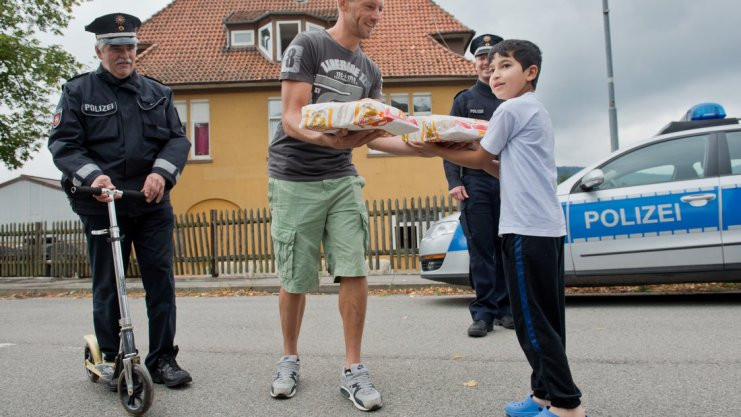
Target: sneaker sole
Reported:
[(345, 393), (174, 384), (283, 396)]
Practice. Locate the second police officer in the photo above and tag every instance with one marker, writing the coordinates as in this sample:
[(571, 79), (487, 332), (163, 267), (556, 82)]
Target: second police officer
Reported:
[(116, 129), (479, 194)]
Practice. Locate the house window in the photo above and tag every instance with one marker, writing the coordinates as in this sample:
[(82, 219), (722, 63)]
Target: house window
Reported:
[(266, 39), (199, 129), (286, 32), (313, 27), (182, 108), (400, 101), (275, 110), (243, 38), (422, 103)]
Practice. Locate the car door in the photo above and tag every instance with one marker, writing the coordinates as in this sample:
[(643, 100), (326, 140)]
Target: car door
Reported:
[(730, 183), (656, 211)]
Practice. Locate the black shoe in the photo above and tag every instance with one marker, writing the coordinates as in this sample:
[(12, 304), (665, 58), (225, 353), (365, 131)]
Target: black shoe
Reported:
[(507, 322), (168, 372), (479, 328)]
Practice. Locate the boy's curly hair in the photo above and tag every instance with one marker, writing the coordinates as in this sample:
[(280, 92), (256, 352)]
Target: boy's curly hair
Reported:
[(524, 52)]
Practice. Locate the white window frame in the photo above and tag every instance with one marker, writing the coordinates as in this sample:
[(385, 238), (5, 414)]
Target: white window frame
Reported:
[(234, 33), (414, 112), (391, 99), (313, 26), (278, 24), (181, 106), (193, 119), (269, 50), (271, 135)]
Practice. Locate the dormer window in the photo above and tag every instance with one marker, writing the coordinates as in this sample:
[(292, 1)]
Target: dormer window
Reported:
[(271, 31), (266, 39), (243, 38), (287, 30)]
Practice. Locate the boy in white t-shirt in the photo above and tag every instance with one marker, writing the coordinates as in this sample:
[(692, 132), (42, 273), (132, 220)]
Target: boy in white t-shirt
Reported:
[(531, 224)]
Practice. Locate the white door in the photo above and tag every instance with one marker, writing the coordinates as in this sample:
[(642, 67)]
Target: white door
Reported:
[(657, 211)]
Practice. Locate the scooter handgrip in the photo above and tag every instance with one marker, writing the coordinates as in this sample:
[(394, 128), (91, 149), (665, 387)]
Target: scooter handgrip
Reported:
[(134, 195), (81, 190)]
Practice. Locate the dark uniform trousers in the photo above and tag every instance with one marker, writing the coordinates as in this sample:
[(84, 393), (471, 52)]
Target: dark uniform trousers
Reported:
[(534, 271), (480, 214), (480, 223), (151, 236)]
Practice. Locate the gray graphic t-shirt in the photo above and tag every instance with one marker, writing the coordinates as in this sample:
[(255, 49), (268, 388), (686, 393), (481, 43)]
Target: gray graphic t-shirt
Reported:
[(336, 74)]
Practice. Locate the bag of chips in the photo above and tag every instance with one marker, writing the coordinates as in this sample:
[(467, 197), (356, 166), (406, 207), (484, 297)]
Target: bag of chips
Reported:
[(440, 128), (365, 114)]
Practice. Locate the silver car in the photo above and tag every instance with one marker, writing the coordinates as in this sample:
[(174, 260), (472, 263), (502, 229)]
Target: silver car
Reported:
[(663, 210)]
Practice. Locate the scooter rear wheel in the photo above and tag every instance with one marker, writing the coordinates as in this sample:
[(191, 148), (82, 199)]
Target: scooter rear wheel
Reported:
[(141, 399), (92, 376)]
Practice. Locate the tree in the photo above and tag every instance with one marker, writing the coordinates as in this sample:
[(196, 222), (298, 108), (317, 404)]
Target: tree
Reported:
[(30, 73)]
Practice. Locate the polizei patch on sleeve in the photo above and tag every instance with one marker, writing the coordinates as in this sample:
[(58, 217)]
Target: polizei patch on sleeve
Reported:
[(57, 119)]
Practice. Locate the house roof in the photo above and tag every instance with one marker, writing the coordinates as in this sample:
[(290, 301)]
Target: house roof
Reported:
[(47, 182), (185, 43)]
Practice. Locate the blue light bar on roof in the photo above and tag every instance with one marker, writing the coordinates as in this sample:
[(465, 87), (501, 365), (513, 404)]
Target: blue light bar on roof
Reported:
[(705, 111)]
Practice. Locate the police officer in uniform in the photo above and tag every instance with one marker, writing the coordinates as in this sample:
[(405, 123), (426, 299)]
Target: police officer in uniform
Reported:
[(116, 129), (479, 193)]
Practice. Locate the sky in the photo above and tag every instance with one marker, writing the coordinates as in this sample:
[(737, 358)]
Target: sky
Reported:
[(668, 55)]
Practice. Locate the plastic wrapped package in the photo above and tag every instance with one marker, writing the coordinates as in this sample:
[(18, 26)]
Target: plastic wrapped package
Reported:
[(440, 128), (365, 114)]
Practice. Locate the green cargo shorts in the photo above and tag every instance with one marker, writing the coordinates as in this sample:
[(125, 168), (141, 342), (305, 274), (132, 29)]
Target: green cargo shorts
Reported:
[(306, 214)]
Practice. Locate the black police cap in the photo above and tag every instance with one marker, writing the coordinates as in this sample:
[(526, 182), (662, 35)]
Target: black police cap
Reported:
[(482, 44), (115, 28)]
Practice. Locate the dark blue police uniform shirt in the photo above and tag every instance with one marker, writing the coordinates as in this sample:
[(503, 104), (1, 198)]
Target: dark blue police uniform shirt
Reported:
[(477, 102), (125, 129)]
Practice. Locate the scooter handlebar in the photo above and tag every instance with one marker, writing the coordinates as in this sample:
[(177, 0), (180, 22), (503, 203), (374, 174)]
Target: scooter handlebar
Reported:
[(81, 190)]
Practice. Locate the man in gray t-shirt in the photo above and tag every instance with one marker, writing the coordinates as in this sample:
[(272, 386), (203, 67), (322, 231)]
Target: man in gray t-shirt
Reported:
[(315, 192)]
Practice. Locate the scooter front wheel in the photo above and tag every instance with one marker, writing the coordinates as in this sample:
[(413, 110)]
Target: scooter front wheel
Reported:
[(141, 399)]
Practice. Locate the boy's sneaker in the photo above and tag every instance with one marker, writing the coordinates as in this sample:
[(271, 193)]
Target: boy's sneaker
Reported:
[(286, 377), (356, 386), (527, 408), (107, 370)]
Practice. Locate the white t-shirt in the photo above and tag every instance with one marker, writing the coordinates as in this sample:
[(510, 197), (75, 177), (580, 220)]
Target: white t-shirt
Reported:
[(520, 132)]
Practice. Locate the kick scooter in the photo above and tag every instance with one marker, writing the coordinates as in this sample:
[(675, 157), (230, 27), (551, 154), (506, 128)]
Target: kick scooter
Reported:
[(135, 388)]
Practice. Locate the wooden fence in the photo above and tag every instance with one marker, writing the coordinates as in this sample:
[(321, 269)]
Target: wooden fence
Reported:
[(221, 243)]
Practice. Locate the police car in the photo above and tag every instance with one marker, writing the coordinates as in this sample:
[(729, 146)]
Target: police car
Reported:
[(666, 209)]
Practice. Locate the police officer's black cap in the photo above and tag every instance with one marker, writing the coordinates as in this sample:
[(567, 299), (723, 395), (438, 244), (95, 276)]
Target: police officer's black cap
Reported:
[(115, 28), (482, 44)]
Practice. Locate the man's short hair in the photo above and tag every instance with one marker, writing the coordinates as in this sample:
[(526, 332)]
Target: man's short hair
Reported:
[(524, 52)]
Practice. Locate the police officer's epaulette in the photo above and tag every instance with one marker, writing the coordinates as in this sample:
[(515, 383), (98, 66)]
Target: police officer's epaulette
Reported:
[(78, 76), (459, 93), (153, 79)]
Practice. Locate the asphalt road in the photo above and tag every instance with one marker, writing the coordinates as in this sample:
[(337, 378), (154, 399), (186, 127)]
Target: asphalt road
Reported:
[(631, 356)]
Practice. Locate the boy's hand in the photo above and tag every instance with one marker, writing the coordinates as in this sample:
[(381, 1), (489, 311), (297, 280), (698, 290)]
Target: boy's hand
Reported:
[(420, 149)]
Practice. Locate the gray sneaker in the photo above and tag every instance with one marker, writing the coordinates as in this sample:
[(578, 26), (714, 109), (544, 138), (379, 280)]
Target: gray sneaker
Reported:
[(356, 386), (286, 377)]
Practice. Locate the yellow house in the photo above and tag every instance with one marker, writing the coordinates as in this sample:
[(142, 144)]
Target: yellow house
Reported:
[(222, 60)]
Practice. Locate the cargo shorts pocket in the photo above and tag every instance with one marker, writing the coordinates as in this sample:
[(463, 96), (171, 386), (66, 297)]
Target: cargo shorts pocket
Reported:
[(283, 244)]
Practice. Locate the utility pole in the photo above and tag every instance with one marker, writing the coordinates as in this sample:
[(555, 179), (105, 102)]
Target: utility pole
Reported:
[(610, 81)]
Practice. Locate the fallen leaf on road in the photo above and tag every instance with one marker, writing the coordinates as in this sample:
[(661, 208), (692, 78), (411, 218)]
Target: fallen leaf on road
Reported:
[(456, 357), (471, 384)]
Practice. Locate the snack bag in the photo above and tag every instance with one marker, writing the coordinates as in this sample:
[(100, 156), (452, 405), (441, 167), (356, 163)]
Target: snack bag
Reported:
[(440, 128), (365, 114)]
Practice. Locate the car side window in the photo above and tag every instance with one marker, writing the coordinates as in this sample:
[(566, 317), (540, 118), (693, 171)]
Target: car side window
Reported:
[(673, 160), (734, 150)]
